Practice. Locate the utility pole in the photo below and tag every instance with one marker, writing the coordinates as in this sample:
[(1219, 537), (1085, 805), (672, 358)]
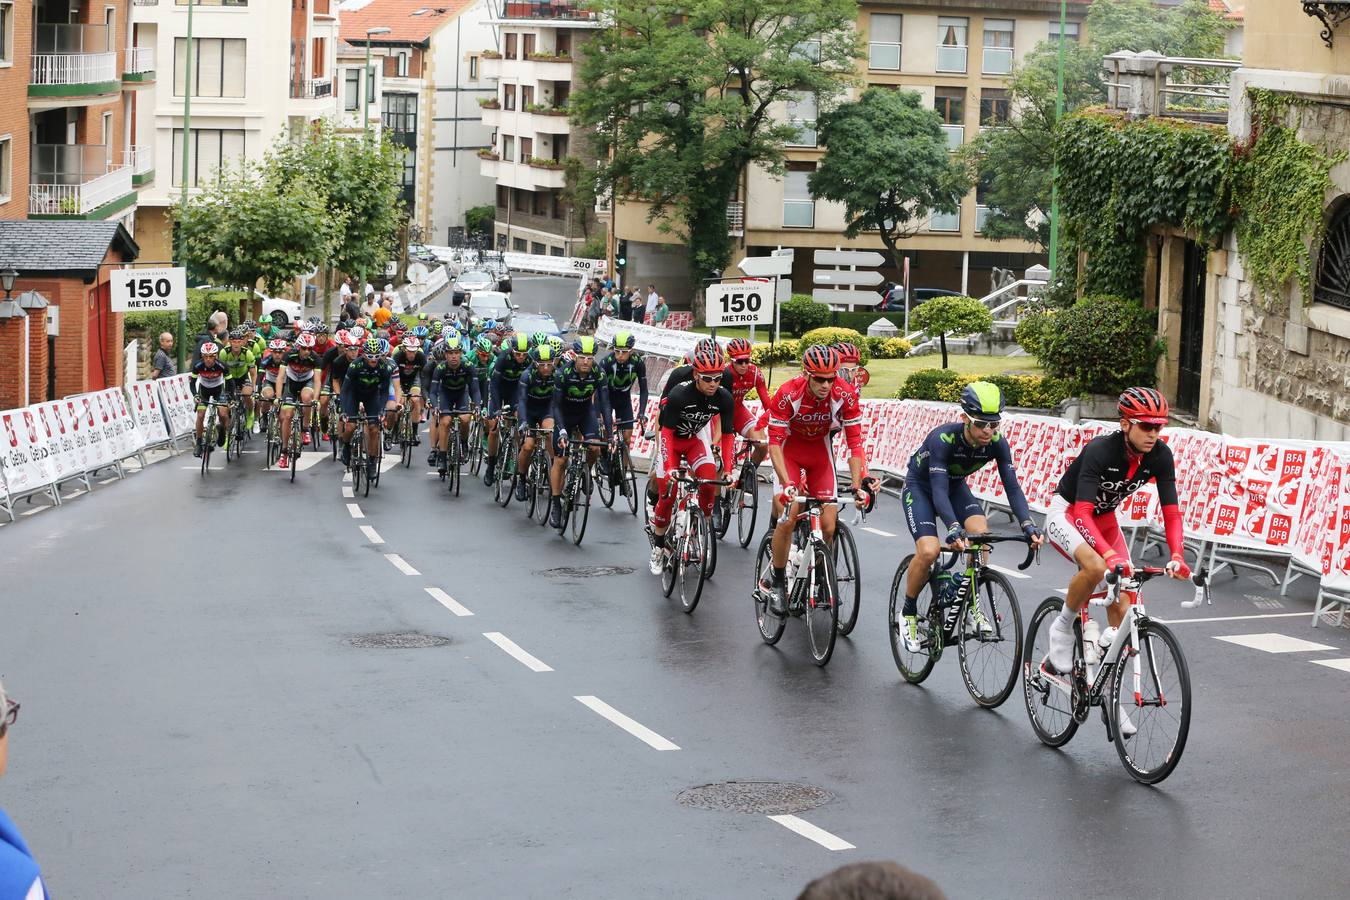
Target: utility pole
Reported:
[(187, 150), (1054, 182), (367, 85)]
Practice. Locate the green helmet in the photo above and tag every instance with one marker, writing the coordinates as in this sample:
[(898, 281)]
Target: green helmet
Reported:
[(437, 327), (265, 319), (584, 345), (538, 338), (624, 341), (556, 343), (520, 343), (543, 354), (483, 345)]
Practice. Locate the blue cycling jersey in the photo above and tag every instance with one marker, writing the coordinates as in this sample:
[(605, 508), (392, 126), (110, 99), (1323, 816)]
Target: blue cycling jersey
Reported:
[(945, 457)]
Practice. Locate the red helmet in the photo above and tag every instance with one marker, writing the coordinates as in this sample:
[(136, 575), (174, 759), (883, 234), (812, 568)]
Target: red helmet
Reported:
[(819, 360), (708, 359), (739, 348), (848, 354), (1143, 405)]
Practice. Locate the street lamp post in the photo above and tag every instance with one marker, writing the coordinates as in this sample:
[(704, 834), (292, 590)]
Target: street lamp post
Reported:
[(1054, 177), (187, 144), (365, 124)]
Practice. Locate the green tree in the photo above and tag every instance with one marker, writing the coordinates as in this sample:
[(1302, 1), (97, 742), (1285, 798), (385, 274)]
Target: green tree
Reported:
[(684, 92), (1014, 162), (479, 219), (886, 161), (958, 315), (578, 193)]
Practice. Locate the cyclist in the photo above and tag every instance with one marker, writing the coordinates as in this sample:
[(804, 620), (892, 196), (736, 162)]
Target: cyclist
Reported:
[(504, 383), (336, 361), (300, 364), (267, 331), (802, 413), (238, 359), (849, 359), (367, 386), (410, 361), (254, 341), (269, 369), (1082, 523), (935, 488), (685, 414), (621, 369), (743, 376), (677, 376), (577, 393), (453, 384), (210, 373), (536, 409)]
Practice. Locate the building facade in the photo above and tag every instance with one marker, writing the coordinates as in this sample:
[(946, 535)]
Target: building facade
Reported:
[(261, 69), (423, 89), (534, 66), (958, 57)]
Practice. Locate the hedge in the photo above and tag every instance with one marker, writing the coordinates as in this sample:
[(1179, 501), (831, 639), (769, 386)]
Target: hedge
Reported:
[(1027, 391)]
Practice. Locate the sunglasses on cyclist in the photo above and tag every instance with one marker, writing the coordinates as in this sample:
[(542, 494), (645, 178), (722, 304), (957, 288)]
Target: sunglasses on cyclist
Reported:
[(709, 379), (741, 361), (823, 379), (1147, 427), (984, 424)]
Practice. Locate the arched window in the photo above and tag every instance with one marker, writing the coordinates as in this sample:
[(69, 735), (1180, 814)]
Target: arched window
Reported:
[(1333, 268)]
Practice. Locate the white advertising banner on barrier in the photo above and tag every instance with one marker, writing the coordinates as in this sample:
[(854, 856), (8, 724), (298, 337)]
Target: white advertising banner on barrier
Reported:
[(129, 439), (175, 396), (149, 415), (27, 467), (101, 451), (66, 460), (657, 341)]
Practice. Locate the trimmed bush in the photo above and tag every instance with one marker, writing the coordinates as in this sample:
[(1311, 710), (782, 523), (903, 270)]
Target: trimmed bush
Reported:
[(832, 335), (1032, 331), (888, 348), (771, 354), (800, 314), (1029, 391), (1103, 344)]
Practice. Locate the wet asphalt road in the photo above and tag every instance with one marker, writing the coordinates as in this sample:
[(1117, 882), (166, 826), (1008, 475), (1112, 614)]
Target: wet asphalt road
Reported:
[(196, 721)]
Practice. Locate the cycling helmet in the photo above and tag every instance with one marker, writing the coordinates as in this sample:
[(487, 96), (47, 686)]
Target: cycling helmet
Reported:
[(277, 344), (489, 324), (454, 347), (250, 324), (543, 354), (739, 348), (314, 320), (321, 328), (210, 349), (383, 345), (708, 359), (438, 353), (502, 328), (584, 346), (624, 341), (358, 334), (982, 399), (343, 337), (265, 320), (521, 344), (412, 343), (848, 353), (483, 345), (420, 331), (437, 327), (706, 344), (421, 317), (306, 340), (820, 360), (538, 338), (372, 347), (1143, 405), (238, 333)]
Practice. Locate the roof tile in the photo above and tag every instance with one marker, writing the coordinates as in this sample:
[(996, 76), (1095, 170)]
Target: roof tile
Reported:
[(411, 20)]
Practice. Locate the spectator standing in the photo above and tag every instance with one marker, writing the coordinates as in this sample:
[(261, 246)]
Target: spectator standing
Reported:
[(635, 305), (383, 313), (350, 308), (164, 365), (371, 304), (217, 327), (662, 311), (652, 299), (20, 877)]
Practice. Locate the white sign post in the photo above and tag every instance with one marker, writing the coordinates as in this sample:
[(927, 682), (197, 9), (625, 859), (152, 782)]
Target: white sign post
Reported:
[(738, 304), (845, 282), (149, 290)]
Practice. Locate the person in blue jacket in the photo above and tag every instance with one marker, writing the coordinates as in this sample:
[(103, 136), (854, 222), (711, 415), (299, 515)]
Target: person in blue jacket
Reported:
[(20, 878)]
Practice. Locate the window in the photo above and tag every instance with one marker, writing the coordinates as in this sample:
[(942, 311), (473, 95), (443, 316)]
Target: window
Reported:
[(218, 66), (951, 51), (801, 110), (799, 208), (214, 2), (883, 42), (1070, 30), (370, 83), (994, 107), (351, 90), (6, 156), (998, 46), (508, 96), (945, 221), (107, 138), (522, 201), (212, 150), (509, 42), (950, 103), (526, 149), (508, 148), (559, 206), (807, 50), (518, 245), (473, 68), (562, 43), (556, 251), (538, 249), (7, 37), (1333, 267), (401, 64), (541, 205), (526, 96), (981, 205), (527, 43), (399, 116), (503, 196)]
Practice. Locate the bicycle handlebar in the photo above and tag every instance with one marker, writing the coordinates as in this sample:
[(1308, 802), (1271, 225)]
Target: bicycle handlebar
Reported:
[(976, 542)]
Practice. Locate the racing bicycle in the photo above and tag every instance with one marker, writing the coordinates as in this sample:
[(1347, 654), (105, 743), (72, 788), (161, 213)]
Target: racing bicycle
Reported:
[(687, 559), (576, 492), (361, 457), (812, 589)]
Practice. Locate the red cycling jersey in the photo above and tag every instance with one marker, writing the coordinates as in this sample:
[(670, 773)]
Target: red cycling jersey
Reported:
[(741, 385), (795, 412)]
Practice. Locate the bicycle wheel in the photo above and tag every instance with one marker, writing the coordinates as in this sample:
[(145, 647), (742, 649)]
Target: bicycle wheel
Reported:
[(581, 505), (206, 452), (452, 469), (712, 546), (721, 515), (506, 468), (1160, 710), (914, 667), (1048, 697), (770, 626), (647, 506), (820, 603), (628, 483), (990, 661), (476, 446), (691, 556), (358, 463), (604, 467), (539, 471), (847, 576), (294, 451), (747, 508), (670, 565)]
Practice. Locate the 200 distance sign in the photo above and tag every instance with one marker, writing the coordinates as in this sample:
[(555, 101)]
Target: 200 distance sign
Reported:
[(738, 304), (149, 290)]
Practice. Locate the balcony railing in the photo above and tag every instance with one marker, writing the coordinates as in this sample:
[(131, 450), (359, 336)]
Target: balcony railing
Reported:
[(140, 158), (75, 180), (736, 218), (545, 10), (312, 89), (140, 60), (71, 55), (145, 2)]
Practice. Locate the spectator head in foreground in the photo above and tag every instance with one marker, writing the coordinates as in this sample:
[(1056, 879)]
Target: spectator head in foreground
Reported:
[(219, 322), (19, 873), (872, 881)]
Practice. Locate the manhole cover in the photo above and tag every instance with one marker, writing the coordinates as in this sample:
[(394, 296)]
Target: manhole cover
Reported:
[(585, 571), (769, 798), (398, 640)]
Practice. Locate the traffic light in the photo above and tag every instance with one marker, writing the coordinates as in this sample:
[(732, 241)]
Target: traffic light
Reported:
[(621, 255)]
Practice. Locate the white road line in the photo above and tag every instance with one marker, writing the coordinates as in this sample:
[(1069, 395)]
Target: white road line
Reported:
[(347, 491), (1011, 573), (449, 602), (355, 511), (812, 832), (1342, 664), (1272, 642), (108, 480), (1064, 591), (35, 510), (636, 729), (347, 477), (74, 494), (401, 564), (1231, 618), (533, 663), (877, 531), (371, 534)]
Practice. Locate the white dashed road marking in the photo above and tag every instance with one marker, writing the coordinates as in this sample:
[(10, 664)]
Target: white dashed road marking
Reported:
[(636, 729), (533, 663), (1342, 664), (449, 602), (35, 510), (812, 832), (401, 564), (355, 511), (877, 531), (371, 534), (1232, 618), (347, 491), (1271, 642), (1011, 573)]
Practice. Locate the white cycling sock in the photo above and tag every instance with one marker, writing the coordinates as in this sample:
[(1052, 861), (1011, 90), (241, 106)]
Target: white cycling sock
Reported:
[(1066, 617)]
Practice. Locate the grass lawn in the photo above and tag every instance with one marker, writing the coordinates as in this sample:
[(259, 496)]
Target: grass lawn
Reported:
[(888, 374)]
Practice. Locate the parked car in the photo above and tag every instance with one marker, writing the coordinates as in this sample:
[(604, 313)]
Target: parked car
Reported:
[(282, 311), (894, 302), (488, 305), (529, 323), (471, 282)]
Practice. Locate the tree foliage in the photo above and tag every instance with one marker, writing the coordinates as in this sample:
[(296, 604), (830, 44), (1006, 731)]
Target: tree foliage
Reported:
[(886, 161), (958, 315), (685, 94)]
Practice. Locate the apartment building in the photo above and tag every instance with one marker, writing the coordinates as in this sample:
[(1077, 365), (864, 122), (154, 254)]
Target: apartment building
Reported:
[(422, 93), (260, 69), (958, 56), (533, 66)]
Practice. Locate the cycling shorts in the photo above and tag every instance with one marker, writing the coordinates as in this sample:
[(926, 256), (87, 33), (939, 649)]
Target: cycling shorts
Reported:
[(236, 383), (1066, 536), (370, 398), (622, 404), (536, 411), (920, 513), (585, 422), (409, 384), (293, 389), (452, 401), (209, 393), (810, 466), (746, 421)]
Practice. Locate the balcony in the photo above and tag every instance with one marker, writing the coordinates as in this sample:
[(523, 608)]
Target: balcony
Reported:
[(72, 61), (567, 12), (523, 175), (140, 65), (145, 2), (312, 89), (736, 218), (141, 160), (77, 181), (539, 68), (526, 123)]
